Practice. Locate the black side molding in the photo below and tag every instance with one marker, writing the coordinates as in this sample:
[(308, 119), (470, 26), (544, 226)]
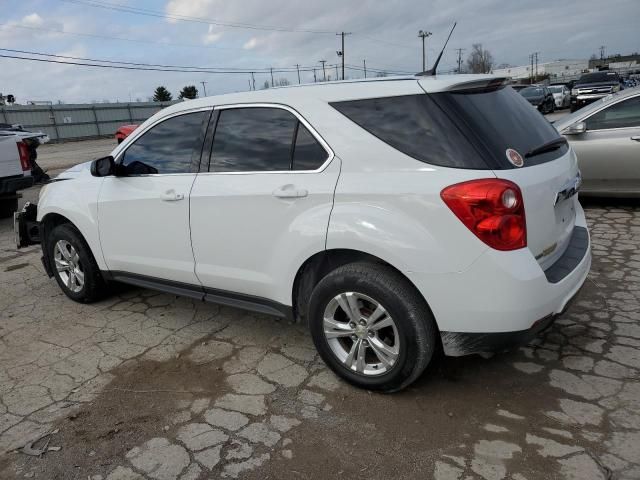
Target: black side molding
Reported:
[(572, 256), (222, 297)]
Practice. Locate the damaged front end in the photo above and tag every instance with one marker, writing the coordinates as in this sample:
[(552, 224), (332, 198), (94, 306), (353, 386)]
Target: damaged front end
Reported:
[(26, 226)]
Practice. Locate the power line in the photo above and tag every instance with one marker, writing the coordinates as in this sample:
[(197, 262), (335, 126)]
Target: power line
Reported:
[(123, 39), (187, 18), (188, 67), (144, 68)]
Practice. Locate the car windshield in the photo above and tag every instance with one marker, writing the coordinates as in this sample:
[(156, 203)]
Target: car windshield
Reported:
[(555, 89), (531, 92), (598, 77)]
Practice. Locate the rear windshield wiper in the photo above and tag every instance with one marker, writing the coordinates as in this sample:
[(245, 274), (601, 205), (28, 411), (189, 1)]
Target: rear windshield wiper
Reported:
[(546, 147)]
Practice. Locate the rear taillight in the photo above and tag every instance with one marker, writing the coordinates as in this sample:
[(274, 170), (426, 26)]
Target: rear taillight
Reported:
[(23, 150), (492, 209)]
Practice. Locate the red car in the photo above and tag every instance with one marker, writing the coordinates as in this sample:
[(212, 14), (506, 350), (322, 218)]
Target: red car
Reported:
[(124, 131)]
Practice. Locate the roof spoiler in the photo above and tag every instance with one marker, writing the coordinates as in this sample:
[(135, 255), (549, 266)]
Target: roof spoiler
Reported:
[(432, 72)]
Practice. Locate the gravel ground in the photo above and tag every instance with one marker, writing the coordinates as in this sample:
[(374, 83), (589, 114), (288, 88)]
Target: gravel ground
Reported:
[(152, 386)]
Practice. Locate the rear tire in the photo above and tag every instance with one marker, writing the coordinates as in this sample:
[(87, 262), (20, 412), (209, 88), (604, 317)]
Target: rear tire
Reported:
[(8, 206), (74, 267), (389, 337)]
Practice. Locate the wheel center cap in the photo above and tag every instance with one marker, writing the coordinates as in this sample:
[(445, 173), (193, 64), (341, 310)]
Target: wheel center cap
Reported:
[(361, 331)]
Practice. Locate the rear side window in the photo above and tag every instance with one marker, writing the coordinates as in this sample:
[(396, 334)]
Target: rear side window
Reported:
[(167, 147), (416, 126), (308, 154), (499, 119)]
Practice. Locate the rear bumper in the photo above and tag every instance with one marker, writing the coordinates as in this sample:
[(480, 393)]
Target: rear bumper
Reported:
[(504, 298), (10, 185)]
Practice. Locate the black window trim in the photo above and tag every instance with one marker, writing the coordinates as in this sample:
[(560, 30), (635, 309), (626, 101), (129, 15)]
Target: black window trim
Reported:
[(196, 155), (300, 120)]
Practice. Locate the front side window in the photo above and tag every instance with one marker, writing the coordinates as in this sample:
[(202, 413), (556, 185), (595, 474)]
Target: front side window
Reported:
[(621, 115), (256, 139), (167, 147)]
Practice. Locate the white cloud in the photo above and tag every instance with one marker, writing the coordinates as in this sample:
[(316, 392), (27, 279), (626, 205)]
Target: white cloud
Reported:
[(251, 43), (32, 20), (211, 36)]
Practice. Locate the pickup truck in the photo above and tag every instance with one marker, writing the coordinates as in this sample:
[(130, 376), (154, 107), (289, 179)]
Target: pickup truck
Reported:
[(18, 167), (594, 86)]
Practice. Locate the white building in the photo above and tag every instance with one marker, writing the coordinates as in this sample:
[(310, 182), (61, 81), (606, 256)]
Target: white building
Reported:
[(557, 70)]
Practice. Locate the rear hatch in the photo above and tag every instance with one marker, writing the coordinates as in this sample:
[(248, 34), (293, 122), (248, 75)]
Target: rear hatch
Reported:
[(497, 121)]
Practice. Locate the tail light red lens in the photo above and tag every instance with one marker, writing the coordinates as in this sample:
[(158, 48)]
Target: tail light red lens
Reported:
[(492, 209), (23, 150)]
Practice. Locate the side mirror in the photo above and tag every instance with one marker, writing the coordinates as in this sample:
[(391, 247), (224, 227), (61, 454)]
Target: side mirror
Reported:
[(575, 129), (103, 167)]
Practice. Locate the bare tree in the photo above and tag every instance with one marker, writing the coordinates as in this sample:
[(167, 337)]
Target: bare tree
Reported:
[(479, 60)]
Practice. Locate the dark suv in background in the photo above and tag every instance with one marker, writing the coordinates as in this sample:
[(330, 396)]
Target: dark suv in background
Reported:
[(593, 86)]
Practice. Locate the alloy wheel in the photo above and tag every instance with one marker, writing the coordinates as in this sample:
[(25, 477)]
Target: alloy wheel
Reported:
[(67, 262), (361, 333)]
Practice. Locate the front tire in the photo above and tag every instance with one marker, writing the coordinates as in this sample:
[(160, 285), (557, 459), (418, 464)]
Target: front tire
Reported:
[(371, 326), (74, 267)]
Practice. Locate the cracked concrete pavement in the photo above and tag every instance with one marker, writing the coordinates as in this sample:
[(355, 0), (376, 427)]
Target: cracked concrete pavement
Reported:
[(152, 386)]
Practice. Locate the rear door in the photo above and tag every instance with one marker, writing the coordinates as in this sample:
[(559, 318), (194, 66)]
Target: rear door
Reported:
[(499, 122), (264, 205), (143, 215), (609, 150)]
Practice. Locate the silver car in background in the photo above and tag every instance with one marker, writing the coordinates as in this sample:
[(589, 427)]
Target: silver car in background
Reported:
[(606, 138), (561, 95)]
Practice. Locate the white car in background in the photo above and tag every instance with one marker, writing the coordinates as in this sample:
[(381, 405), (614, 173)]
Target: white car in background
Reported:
[(561, 95), (395, 216)]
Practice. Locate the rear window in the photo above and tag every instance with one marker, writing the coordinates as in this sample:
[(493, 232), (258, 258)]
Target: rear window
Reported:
[(499, 119), (416, 126)]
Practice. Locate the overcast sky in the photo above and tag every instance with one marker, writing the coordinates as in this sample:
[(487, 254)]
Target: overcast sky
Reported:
[(384, 33)]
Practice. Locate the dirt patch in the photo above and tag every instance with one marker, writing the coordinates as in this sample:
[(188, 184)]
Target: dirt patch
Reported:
[(135, 407)]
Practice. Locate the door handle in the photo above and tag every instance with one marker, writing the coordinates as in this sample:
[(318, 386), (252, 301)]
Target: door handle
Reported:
[(171, 196), (636, 138), (290, 191)]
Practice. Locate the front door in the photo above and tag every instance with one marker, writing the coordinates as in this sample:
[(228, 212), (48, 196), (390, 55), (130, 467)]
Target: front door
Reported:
[(609, 151), (143, 214), (264, 206)]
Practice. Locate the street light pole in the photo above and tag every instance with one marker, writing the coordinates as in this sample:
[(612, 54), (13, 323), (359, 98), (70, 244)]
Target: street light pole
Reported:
[(324, 73), (422, 34), (204, 87)]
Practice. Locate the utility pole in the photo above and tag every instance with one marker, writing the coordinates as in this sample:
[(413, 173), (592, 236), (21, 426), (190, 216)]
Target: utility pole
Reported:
[(314, 76), (271, 70), (337, 77), (341, 52), (204, 87), (324, 73), (531, 71), (459, 50), (536, 55), (602, 50), (424, 35), (253, 81), (364, 64), (298, 69)]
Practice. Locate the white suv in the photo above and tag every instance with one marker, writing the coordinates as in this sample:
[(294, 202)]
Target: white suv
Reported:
[(396, 216)]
